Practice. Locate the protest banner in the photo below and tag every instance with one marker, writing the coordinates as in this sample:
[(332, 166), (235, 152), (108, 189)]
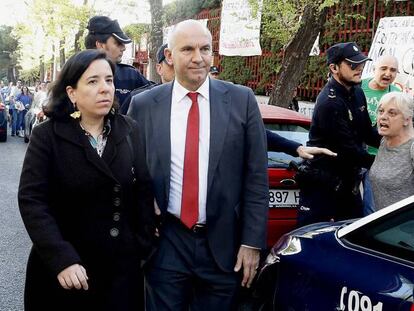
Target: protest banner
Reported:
[(239, 29), (395, 36)]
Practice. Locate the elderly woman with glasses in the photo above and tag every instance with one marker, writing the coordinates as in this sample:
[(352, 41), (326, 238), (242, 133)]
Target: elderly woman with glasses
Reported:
[(392, 174)]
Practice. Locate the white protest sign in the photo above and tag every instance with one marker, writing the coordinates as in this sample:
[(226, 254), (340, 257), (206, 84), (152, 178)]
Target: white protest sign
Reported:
[(395, 36), (315, 51), (239, 30)]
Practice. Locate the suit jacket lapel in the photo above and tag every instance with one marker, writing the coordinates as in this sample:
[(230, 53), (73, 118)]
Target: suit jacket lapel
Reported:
[(160, 121), (219, 119)]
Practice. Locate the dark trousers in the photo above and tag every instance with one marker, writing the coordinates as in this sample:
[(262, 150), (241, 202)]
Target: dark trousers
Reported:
[(317, 204), (183, 275)]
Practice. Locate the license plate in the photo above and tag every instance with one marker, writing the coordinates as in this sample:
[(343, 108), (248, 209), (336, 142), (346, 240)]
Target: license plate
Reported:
[(283, 198)]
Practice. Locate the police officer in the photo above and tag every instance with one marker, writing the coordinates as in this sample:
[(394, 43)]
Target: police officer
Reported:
[(340, 122), (106, 34), (164, 70)]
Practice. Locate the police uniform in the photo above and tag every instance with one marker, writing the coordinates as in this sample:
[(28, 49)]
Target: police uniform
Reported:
[(340, 123), (127, 78)]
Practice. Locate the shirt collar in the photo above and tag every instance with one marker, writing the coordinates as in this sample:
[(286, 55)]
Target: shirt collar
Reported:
[(181, 92)]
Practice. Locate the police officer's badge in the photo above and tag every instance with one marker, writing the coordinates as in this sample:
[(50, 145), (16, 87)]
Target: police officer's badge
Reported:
[(350, 115)]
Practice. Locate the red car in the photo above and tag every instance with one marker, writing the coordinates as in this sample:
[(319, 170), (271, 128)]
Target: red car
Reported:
[(283, 190)]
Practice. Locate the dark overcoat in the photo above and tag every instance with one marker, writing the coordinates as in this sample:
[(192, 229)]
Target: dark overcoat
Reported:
[(80, 208)]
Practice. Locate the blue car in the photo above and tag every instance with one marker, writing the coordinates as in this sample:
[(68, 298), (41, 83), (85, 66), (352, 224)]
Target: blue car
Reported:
[(357, 265)]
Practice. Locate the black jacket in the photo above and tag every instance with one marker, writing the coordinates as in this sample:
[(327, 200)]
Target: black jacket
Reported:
[(341, 123), (127, 78), (80, 208)]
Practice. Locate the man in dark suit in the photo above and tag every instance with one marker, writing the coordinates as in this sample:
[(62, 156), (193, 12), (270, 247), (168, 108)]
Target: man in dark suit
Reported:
[(206, 150)]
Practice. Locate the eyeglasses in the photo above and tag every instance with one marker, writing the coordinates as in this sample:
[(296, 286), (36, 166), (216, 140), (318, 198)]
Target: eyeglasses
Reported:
[(354, 66)]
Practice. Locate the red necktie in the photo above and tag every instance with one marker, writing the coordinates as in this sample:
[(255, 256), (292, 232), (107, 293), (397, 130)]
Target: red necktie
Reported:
[(189, 199)]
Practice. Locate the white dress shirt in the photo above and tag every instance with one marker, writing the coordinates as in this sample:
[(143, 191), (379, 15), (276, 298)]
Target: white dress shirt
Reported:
[(180, 106)]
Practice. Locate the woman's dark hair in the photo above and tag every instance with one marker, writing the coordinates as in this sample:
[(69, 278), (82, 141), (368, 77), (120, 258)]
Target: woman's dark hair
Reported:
[(59, 105), (28, 91)]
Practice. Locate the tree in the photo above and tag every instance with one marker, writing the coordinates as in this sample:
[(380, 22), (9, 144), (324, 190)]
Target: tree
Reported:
[(53, 29), (155, 36), (297, 52), (9, 53), (184, 9), (137, 31), (292, 27)]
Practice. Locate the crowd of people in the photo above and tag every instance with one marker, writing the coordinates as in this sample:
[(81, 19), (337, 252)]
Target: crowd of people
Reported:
[(19, 99), (177, 189)]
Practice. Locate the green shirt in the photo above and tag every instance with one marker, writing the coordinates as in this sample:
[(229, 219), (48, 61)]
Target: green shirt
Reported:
[(373, 97)]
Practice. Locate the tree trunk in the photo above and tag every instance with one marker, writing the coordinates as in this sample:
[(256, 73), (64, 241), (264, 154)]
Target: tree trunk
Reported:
[(42, 68), (62, 56), (78, 35), (155, 37), (80, 32), (296, 54)]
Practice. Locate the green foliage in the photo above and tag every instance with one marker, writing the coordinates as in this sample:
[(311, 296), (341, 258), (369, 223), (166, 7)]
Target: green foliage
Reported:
[(235, 69), (29, 76), (184, 9), (136, 31), (48, 22), (9, 51)]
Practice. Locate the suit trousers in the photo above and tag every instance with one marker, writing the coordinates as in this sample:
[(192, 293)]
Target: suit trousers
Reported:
[(182, 275)]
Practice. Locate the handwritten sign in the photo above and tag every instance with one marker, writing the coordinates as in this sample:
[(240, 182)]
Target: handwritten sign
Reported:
[(239, 31), (395, 36)]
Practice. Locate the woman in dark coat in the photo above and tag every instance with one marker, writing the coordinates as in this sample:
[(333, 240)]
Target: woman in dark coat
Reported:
[(85, 197)]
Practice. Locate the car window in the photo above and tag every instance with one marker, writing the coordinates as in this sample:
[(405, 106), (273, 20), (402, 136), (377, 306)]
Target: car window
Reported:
[(294, 132), (391, 234)]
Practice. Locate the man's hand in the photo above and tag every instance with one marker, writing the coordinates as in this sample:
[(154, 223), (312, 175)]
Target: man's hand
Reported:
[(73, 276), (308, 152), (248, 258)]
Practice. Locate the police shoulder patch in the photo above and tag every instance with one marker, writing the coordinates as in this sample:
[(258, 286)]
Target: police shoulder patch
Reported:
[(331, 93)]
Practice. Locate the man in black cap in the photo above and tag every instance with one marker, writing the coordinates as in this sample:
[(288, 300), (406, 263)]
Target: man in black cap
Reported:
[(340, 122), (164, 69), (106, 34), (214, 72)]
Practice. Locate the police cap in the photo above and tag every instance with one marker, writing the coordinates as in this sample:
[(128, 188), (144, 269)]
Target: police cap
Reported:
[(348, 51), (103, 25), (160, 53), (214, 69)]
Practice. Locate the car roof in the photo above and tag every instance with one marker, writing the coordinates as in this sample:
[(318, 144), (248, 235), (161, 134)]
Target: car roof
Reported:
[(374, 216), (274, 113)]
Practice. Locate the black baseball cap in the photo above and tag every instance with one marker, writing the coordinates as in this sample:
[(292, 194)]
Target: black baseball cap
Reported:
[(214, 69), (160, 53), (103, 25), (348, 51)]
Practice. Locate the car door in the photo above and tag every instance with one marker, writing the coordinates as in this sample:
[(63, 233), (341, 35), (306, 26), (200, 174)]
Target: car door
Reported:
[(385, 247)]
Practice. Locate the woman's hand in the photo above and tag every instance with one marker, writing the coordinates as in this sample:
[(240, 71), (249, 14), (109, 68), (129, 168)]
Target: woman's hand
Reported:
[(73, 276)]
